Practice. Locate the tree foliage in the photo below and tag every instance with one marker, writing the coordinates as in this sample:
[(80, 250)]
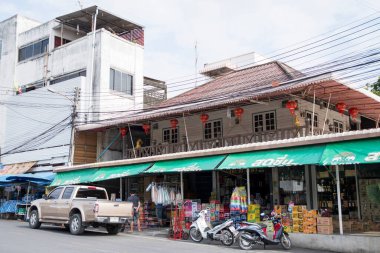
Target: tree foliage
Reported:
[(375, 87)]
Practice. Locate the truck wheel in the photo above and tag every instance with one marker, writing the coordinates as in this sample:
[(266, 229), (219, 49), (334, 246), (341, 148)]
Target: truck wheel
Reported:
[(34, 222), (113, 229), (76, 226)]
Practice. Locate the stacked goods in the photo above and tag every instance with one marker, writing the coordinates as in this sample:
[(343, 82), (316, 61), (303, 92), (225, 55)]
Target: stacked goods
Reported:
[(214, 210), (188, 208), (253, 213), (225, 211), (287, 222), (297, 219), (325, 225), (309, 221)]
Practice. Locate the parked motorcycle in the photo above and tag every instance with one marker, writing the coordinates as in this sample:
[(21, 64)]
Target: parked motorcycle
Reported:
[(256, 234), (222, 231)]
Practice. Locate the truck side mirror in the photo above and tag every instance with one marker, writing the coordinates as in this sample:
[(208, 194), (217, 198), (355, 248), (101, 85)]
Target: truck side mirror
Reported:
[(44, 196)]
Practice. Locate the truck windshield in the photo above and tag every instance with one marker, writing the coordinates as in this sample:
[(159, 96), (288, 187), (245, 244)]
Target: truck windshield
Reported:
[(91, 193)]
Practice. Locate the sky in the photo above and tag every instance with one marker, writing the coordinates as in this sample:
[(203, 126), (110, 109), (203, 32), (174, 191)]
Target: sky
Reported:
[(221, 28)]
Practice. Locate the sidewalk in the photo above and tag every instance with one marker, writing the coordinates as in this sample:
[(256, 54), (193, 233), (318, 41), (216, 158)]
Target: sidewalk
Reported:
[(155, 232)]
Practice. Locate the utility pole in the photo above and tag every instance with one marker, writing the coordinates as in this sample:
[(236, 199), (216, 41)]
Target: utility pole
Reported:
[(73, 116)]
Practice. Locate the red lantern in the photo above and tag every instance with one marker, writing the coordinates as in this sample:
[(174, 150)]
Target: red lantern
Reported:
[(340, 107), (174, 123), (123, 131), (146, 128), (291, 105), (239, 112), (353, 111), (204, 118)]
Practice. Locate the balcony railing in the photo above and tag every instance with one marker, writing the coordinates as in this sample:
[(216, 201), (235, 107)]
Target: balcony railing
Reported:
[(166, 148)]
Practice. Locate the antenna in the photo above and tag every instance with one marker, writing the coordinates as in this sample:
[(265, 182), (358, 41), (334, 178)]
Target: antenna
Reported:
[(196, 62), (80, 4)]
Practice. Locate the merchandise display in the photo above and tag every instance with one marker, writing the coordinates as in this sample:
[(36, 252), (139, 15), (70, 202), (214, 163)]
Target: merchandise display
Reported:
[(238, 204)]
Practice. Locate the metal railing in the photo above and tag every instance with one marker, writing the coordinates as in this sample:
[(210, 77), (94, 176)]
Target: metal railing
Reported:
[(168, 148)]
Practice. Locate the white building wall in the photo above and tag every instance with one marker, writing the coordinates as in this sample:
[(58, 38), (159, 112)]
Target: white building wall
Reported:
[(130, 61), (44, 111), (9, 29)]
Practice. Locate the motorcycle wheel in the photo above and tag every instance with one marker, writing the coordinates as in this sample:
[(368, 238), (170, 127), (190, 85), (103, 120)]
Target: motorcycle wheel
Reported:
[(243, 244), (195, 235), (285, 242), (227, 238)]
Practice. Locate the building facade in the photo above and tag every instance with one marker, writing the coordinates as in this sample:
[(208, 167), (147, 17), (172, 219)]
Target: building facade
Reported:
[(42, 64)]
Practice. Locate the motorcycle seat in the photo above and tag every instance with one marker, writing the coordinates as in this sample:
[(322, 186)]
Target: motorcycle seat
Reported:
[(216, 223)]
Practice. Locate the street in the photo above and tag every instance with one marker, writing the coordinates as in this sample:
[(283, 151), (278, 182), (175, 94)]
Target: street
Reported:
[(16, 237)]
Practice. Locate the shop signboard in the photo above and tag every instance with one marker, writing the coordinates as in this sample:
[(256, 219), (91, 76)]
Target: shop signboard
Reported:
[(74, 177), (274, 158), (352, 152), (107, 173), (187, 165)]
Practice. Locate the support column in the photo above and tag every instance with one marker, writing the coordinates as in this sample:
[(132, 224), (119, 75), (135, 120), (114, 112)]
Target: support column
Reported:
[(249, 187), (314, 188), (357, 193), (308, 187), (218, 186), (275, 187), (214, 186), (121, 189), (339, 199), (182, 194)]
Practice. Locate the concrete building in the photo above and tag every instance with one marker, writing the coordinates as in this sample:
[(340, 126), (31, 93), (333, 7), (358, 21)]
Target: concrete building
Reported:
[(91, 49)]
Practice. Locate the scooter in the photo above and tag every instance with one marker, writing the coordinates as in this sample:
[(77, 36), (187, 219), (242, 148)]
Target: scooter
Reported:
[(222, 231), (256, 234)]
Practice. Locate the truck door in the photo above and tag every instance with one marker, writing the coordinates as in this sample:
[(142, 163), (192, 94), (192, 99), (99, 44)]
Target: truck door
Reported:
[(48, 207), (63, 204)]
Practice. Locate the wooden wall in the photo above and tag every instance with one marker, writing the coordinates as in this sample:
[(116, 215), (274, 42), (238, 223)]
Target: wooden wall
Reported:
[(283, 120), (85, 147)]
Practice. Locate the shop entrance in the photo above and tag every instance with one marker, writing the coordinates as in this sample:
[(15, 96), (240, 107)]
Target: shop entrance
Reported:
[(260, 182)]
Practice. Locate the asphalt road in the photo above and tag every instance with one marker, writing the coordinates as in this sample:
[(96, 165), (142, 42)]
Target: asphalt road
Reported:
[(17, 237)]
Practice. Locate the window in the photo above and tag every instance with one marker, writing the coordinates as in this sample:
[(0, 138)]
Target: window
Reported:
[(1, 48), (67, 193), (309, 117), (170, 135), (212, 130), (32, 50), (264, 122), (120, 81), (55, 193), (338, 126), (57, 41), (91, 193)]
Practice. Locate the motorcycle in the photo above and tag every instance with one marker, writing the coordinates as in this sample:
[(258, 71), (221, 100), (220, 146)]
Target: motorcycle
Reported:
[(222, 231), (256, 234)]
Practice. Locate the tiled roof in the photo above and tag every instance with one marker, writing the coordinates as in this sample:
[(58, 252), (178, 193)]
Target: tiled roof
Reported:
[(239, 83)]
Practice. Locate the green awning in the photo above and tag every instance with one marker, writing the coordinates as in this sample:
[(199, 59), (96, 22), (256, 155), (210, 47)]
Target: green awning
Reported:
[(120, 171), (274, 158), (74, 177), (187, 164), (352, 152)]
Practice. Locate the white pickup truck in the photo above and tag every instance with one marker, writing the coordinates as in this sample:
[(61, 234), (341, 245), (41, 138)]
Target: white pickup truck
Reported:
[(78, 207)]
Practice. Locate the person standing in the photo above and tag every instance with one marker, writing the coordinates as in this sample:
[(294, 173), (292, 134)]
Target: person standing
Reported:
[(135, 200)]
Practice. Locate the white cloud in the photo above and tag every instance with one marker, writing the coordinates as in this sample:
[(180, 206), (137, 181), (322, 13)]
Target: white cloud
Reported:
[(222, 28)]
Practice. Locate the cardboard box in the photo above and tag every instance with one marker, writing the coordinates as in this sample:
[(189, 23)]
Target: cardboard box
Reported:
[(324, 221), (325, 230)]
